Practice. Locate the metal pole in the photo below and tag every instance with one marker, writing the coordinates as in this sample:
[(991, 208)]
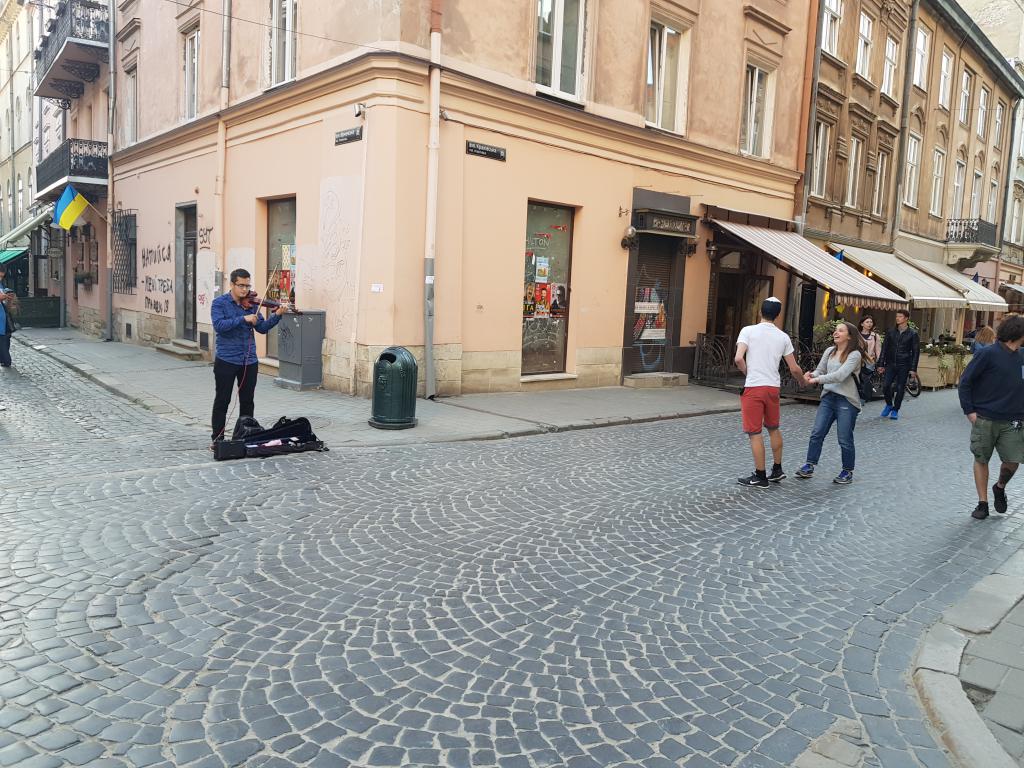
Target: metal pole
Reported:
[(812, 114), (908, 80), (111, 120)]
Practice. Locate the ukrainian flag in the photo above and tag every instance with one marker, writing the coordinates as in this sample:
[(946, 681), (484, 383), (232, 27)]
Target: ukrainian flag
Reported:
[(70, 206)]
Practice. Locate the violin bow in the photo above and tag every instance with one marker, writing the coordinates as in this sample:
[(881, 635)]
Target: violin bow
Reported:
[(263, 295)]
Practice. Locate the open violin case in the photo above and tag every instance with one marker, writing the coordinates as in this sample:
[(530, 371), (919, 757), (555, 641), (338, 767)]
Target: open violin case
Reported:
[(250, 439)]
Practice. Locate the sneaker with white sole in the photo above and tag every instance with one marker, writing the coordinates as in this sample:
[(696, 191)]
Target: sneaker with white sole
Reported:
[(753, 481), (843, 478), (806, 471), (777, 475)]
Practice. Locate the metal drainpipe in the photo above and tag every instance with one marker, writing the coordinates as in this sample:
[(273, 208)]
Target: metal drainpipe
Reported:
[(908, 81), (111, 117), (225, 98), (12, 128), (812, 115), (430, 244), (1007, 192)]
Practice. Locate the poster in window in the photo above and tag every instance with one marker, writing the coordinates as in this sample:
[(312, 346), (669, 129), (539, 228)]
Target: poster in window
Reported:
[(543, 269), (559, 306), (529, 300), (542, 301)]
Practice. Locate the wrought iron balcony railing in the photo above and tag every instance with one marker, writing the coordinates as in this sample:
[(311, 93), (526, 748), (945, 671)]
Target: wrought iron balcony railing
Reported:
[(74, 158), (75, 20), (971, 231)]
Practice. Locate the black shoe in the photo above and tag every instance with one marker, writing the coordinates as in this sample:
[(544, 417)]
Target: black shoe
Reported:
[(777, 475), (1000, 498), (754, 481), (980, 512)]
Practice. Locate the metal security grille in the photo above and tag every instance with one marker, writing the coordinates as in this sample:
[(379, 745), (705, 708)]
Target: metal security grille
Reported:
[(125, 252)]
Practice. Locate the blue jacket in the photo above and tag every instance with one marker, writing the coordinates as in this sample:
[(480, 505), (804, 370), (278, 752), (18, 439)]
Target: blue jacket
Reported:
[(3, 313), (992, 386), (236, 342)]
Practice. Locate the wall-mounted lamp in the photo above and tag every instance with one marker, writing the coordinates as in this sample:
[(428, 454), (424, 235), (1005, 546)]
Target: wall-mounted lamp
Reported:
[(711, 249), (359, 109), (629, 238)]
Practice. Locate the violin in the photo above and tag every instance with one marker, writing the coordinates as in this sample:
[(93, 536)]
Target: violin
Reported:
[(252, 299)]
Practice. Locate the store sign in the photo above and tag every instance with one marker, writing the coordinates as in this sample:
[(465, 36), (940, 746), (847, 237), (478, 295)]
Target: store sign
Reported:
[(667, 224), (348, 136), (485, 150)]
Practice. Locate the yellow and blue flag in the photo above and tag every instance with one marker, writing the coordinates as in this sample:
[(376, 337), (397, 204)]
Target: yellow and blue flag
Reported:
[(70, 206)]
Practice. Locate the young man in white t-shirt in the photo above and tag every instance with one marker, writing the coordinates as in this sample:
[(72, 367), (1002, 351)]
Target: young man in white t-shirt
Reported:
[(759, 350)]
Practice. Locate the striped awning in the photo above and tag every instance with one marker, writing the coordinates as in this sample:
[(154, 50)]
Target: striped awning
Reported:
[(921, 288), (792, 252), (979, 298)]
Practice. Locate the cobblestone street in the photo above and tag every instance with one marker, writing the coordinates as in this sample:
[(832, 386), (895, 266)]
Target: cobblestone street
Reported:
[(607, 597)]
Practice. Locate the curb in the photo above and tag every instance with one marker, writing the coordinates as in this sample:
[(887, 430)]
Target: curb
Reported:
[(936, 669)]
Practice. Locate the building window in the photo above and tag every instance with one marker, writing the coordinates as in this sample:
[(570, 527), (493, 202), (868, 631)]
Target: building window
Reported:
[(864, 39), (21, 199), (965, 97), (983, 112), (976, 193), (131, 106), (997, 126), (830, 31), (946, 79), (911, 173), (881, 184), (560, 27), (754, 129), (822, 148), (667, 56), (993, 198), (10, 203), (283, 39), (191, 69), (892, 54), (959, 178), (921, 58), (938, 174), (853, 172), (1015, 222), (546, 288)]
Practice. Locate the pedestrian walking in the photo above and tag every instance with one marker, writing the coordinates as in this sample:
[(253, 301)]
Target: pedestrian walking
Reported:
[(985, 337), (7, 302), (900, 353), (992, 397), (234, 321), (759, 350), (840, 400), (872, 351)]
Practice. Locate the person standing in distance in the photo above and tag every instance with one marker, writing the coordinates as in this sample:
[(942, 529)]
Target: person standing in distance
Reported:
[(759, 350), (992, 397), (6, 322), (236, 359), (900, 353)]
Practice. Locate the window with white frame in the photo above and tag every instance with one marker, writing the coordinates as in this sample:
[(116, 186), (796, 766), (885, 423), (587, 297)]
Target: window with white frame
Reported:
[(131, 107), (830, 28), (822, 149), (283, 40), (667, 58), (865, 36), (191, 72), (1015, 221), (921, 58), (993, 197), (938, 177), (756, 124), (997, 125), (853, 172), (560, 31), (946, 79), (881, 184), (959, 179), (966, 80), (983, 112), (911, 173), (891, 67), (976, 193), (21, 199)]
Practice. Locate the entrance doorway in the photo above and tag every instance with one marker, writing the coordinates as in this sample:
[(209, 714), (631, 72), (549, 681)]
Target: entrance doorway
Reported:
[(739, 292), (653, 306), (186, 216), (281, 264)]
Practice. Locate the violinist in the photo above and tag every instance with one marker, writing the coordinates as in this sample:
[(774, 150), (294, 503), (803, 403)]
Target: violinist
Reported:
[(235, 317)]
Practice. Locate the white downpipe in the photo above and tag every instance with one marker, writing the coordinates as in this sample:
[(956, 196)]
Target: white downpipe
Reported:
[(430, 240), (111, 118)]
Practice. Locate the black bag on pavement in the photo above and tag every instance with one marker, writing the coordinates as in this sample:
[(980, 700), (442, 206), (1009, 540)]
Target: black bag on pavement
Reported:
[(250, 439)]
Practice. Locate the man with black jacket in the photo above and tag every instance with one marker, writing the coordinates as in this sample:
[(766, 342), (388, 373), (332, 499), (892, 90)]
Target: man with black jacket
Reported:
[(900, 352), (992, 398)]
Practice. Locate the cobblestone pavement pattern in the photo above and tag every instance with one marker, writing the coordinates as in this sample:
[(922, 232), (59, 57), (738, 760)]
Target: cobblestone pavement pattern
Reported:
[(600, 598)]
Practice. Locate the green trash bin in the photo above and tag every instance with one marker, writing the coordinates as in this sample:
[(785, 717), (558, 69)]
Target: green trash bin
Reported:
[(394, 390)]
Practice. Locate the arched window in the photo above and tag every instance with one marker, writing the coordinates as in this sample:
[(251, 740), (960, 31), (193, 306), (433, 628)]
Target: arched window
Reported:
[(17, 119), (10, 202), (21, 199)]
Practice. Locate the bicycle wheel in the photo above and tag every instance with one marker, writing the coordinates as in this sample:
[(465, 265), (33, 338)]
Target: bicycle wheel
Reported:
[(913, 386)]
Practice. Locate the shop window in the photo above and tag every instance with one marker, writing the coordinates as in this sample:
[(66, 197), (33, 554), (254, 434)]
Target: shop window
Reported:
[(546, 288), (280, 257)]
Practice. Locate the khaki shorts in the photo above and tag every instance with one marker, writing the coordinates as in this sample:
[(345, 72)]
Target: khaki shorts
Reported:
[(988, 436)]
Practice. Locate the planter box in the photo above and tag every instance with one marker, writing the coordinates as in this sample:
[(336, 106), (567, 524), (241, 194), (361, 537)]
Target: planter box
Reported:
[(934, 376)]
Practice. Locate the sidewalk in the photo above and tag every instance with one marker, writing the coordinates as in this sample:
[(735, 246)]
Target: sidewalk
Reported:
[(183, 391)]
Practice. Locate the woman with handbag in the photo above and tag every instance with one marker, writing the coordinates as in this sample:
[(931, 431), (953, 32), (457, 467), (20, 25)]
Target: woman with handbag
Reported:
[(872, 349), (840, 400), (7, 302)]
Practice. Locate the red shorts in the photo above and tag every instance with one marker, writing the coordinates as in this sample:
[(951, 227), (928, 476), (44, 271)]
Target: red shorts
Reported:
[(760, 409)]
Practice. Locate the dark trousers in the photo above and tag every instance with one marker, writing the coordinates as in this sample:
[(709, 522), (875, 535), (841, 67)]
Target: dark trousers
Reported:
[(5, 350), (225, 376), (895, 385)]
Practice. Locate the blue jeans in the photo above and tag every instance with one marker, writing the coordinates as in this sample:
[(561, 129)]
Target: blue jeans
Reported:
[(834, 408)]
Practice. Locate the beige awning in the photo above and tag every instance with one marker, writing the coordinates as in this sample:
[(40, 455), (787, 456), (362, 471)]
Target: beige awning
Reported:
[(923, 290), (979, 298), (792, 252), (1014, 287)]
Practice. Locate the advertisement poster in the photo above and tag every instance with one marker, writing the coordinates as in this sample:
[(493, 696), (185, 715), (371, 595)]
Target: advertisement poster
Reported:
[(542, 301), (651, 324), (559, 300), (529, 300), (543, 269)]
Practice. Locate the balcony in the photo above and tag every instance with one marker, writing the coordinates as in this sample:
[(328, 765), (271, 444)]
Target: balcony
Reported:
[(969, 241), (76, 161), (75, 50)]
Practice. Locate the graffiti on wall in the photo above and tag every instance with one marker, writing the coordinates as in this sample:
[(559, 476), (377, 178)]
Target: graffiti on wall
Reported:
[(158, 290), (161, 254)]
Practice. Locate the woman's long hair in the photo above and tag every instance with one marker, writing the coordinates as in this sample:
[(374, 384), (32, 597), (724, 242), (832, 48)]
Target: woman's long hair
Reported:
[(854, 343)]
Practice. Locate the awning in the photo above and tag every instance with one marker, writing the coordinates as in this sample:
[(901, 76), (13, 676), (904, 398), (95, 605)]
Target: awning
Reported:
[(979, 298), (793, 252), (11, 255), (1014, 287), (26, 226), (921, 288)]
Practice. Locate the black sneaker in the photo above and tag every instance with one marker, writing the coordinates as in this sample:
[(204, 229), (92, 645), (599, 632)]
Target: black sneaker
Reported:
[(777, 475), (754, 481), (999, 495), (980, 512)]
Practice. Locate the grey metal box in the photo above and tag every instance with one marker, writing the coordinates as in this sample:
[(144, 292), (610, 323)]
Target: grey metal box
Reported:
[(299, 350)]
